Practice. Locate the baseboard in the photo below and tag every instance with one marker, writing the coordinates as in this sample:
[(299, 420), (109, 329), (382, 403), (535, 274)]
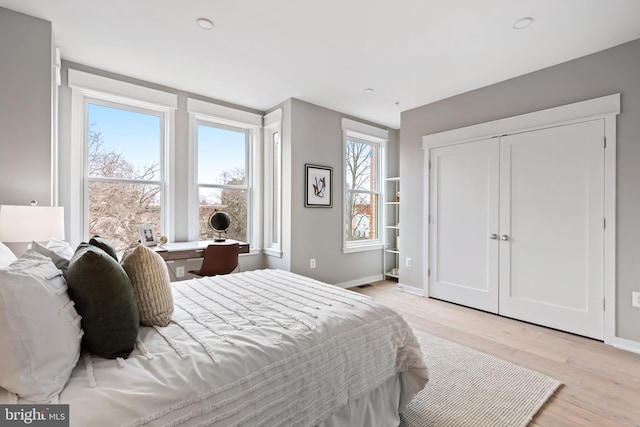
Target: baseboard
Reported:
[(361, 281), (627, 345), (411, 290)]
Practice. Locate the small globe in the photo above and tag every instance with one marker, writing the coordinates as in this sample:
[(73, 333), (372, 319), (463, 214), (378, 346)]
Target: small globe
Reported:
[(219, 221)]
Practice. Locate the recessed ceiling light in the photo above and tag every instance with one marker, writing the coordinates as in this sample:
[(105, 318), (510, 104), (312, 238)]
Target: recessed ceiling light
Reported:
[(367, 91), (204, 23), (522, 23)]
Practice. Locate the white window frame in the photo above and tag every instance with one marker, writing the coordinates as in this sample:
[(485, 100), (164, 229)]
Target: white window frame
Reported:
[(380, 137), (86, 87), (201, 112), (272, 183)]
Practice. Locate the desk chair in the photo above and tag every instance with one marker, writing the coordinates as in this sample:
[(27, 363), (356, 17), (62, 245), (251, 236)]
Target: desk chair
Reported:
[(219, 259)]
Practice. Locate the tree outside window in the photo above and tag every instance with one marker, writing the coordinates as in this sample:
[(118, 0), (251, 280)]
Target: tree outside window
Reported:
[(361, 158), (124, 172), (222, 180)]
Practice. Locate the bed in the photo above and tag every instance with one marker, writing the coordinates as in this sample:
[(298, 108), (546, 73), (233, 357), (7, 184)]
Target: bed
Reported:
[(263, 348)]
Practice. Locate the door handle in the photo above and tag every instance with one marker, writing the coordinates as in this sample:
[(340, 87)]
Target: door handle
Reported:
[(504, 237), (493, 236)]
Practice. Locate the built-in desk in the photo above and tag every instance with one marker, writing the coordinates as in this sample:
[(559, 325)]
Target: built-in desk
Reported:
[(186, 250)]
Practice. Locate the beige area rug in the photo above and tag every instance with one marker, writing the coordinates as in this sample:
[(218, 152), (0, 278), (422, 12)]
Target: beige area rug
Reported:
[(470, 388)]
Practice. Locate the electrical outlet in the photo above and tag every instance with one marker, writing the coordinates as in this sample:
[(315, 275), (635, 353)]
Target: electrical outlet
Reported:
[(179, 272), (312, 263), (635, 296), (408, 262)]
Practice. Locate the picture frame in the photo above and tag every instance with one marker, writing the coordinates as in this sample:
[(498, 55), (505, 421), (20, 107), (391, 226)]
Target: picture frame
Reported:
[(148, 235), (319, 186)]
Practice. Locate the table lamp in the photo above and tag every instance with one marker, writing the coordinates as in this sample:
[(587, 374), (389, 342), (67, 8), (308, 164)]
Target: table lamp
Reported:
[(20, 224)]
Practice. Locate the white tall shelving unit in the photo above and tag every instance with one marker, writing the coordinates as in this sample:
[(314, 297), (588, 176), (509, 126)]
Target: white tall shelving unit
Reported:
[(391, 257)]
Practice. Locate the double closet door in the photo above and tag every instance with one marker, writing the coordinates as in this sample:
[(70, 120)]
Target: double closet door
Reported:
[(517, 226)]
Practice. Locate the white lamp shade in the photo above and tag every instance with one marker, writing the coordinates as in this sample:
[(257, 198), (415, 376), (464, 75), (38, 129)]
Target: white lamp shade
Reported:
[(29, 223)]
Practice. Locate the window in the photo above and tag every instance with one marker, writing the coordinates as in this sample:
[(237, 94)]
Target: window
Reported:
[(224, 143), (124, 171), (222, 178), (364, 149), (120, 134), (273, 183)]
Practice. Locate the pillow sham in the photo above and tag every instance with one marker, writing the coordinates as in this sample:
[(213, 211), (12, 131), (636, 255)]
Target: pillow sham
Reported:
[(149, 277), (104, 298), (39, 329), (59, 251), (6, 255), (105, 245)]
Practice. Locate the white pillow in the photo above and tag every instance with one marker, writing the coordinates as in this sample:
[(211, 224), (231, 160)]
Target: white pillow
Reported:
[(62, 248), (6, 256), (39, 329), (59, 251)]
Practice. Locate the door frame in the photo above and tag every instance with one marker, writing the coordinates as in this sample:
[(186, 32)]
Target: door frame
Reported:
[(607, 108)]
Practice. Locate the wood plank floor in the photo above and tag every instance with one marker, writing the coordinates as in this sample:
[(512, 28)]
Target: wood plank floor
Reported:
[(601, 384)]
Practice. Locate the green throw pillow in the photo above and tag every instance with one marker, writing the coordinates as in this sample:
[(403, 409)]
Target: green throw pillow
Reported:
[(105, 245), (104, 298)]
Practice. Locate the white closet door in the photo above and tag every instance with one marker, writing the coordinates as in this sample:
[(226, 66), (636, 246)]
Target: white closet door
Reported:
[(551, 213), (464, 214)]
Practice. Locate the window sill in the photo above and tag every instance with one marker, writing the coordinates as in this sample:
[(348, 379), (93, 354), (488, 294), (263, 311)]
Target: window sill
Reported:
[(362, 247)]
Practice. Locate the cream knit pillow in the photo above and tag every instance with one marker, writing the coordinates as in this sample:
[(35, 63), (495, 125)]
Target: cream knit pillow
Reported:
[(150, 280)]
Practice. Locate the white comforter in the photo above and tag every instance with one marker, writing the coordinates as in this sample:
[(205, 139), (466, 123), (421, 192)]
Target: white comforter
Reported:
[(257, 348)]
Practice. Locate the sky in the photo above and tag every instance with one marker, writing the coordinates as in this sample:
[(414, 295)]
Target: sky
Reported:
[(137, 135)]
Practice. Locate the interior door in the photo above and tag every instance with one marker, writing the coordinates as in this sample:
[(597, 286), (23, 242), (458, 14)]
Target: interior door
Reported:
[(551, 226), (464, 216)]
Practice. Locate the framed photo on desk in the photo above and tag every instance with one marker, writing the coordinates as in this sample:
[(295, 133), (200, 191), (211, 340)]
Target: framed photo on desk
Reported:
[(147, 235)]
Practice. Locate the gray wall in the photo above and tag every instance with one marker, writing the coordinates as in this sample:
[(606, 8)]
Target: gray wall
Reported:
[(316, 137), (616, 70), (26, 60)]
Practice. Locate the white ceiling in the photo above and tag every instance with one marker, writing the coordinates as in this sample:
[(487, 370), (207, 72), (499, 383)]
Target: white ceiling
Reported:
[(412, 52)]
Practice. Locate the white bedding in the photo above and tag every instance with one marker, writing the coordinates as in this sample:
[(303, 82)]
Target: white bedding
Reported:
[(263, 348)]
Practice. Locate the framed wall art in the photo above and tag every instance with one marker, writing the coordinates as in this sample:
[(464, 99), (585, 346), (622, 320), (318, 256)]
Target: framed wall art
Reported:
[(319, 186)]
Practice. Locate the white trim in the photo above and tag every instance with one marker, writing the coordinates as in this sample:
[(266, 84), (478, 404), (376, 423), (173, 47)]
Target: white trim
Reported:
[(367, 245), (606, 107), (272, 118), (411, 290), (272, 252), (362, 130), (75, 213), (169, 176), (272, 180), (565, 114), (224, 115), (107, 89), (610, 230), (361, 281), (625, 344), (192, 177)]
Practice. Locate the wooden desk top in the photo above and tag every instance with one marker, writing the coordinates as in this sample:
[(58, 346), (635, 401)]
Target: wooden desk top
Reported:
[(195, 249)]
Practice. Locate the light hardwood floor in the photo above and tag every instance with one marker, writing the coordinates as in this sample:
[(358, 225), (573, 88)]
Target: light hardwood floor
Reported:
[(601, 384)]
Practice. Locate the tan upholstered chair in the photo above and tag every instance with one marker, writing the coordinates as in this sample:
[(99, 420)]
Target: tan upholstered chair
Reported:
[(220, 258)]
